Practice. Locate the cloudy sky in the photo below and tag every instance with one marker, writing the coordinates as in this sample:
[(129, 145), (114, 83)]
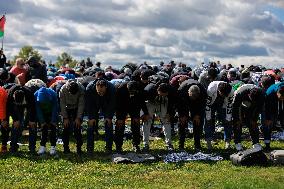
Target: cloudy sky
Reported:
[(119, 31)]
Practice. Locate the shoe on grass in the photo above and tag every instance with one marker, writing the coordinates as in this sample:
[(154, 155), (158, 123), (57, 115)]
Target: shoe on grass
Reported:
[(52, 151), (41, 150)]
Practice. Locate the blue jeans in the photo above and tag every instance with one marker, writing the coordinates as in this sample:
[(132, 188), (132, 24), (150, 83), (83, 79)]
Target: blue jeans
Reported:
[(209, 127), (91, 137)]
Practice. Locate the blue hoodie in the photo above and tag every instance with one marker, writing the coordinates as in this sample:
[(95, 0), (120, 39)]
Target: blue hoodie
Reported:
[(46, 105)]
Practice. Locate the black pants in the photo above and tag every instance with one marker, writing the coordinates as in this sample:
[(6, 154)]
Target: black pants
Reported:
[(52, 134), (197, 131), (72, 114), (135, 129), (253, 129), (5, 135)]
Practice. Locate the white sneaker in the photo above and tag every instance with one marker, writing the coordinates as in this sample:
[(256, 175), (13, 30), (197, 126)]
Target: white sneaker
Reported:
[(52, 150), (41, 150), (257, 146), (227, 145), (239, 147), (209, 145)]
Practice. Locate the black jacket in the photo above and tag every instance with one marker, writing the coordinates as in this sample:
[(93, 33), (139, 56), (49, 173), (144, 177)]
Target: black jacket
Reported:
[(94, 102), (151, 93), (127, 103), (16, 111), (241, 97), (185, 104)]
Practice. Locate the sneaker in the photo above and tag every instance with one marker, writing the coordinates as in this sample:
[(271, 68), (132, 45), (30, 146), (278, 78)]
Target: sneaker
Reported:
[(209, 145), (257, 146), (52, 150), (227, 145), (4, 149), (145, 148), (41, 150), (170, 148), (239, 147)]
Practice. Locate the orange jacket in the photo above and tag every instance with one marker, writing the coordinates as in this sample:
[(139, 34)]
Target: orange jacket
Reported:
[(3, 102)]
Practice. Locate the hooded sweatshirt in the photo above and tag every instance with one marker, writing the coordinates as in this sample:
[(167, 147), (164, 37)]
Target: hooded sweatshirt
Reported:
[(46, 105)]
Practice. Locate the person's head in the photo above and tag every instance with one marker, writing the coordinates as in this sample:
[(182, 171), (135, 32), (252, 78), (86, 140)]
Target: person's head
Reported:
[(101, 87), (20, 63), (145, 76), (224, 89), (19, 96), (1, 51), (266, 81), (98, 64), (32, 61), (163, 89), (72, 87), (280, 93), (132, 87), (99, 75), (193, 92), (232, 75), (212, 74)]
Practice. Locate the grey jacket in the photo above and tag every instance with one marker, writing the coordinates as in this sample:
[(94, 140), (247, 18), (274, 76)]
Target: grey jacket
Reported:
[(69, 101)]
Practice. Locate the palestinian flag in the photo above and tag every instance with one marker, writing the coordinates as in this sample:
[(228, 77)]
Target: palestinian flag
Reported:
[(2, 23)]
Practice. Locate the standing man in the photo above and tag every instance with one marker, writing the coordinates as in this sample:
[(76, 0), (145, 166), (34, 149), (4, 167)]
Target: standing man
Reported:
[(47, 114), (3, 119), (274, 110), (20, 71), (191, 99), (219, 100), (129, 100), (247, 106), (72, 103), (158, 101), (21, 100), (2, 59), (100, 98)]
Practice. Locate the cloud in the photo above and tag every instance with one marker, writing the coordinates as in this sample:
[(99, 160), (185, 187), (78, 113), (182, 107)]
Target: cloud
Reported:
[(119, 31)]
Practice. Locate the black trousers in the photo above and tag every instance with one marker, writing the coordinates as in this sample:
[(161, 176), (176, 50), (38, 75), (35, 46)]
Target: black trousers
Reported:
[(77, 131)]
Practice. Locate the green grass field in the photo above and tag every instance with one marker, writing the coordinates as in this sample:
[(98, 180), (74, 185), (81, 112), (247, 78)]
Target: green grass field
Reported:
[(71, 171)]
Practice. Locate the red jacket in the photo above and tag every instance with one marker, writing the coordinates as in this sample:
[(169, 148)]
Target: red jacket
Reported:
[(3, 102)]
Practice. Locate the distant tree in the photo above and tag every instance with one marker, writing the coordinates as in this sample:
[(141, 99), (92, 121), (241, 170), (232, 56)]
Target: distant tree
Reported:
[(28, 51), (65, 59)]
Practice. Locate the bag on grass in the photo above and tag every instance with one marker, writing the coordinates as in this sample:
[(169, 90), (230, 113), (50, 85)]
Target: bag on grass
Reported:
[(249, 157), (277, 156)]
